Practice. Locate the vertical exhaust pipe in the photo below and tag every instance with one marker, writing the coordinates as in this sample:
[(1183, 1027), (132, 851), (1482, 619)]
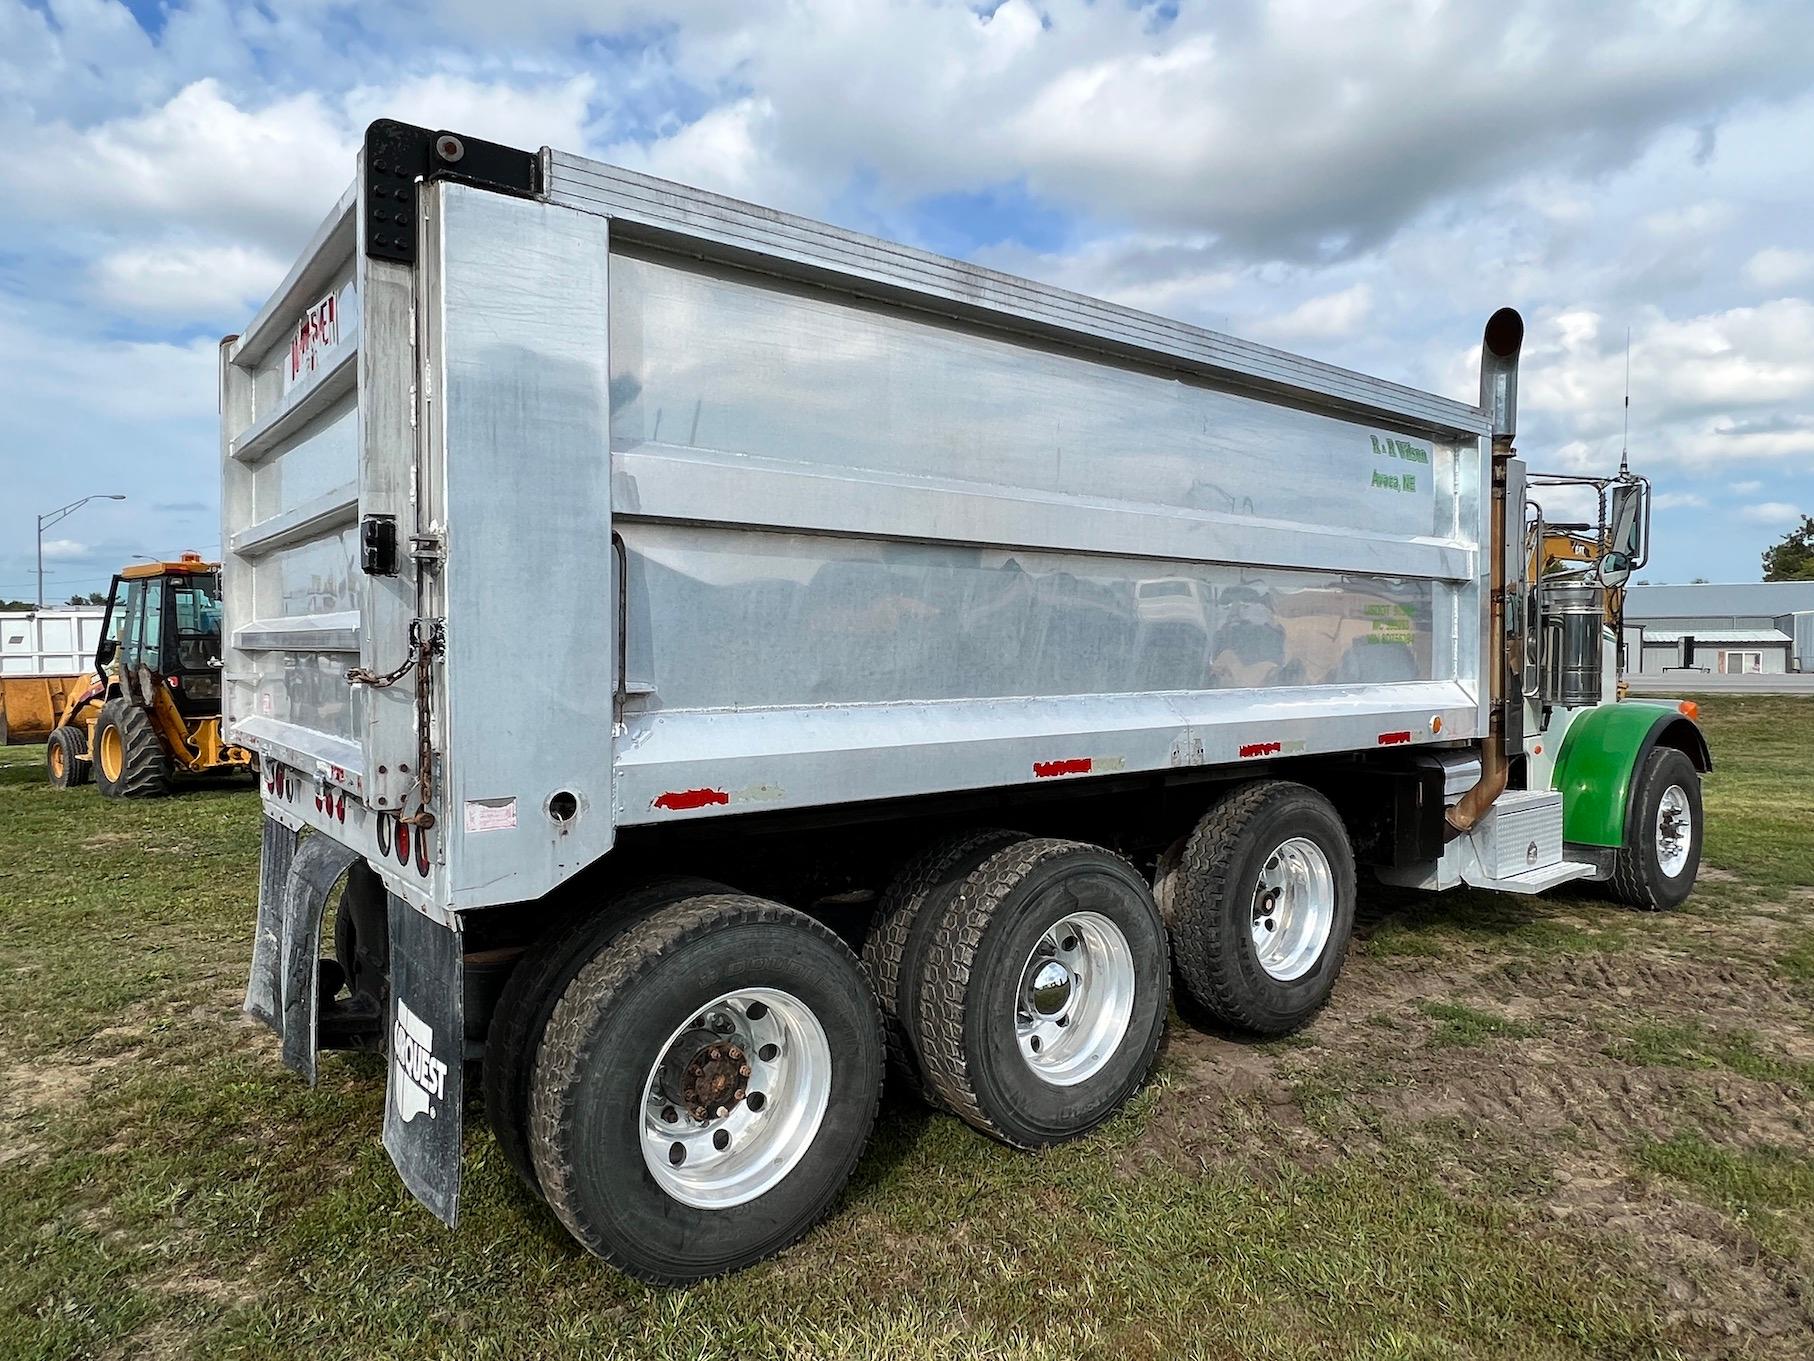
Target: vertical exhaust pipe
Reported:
[(1499, 349)]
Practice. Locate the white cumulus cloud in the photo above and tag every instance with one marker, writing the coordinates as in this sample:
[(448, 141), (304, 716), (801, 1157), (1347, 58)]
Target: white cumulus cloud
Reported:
[(1774, 267), (1771, 513)]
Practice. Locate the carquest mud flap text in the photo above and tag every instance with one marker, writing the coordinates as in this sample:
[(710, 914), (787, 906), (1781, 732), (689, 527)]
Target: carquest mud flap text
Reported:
[(427, 1039)]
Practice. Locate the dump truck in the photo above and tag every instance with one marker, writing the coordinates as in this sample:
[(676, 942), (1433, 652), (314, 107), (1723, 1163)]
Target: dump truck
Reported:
[(150, 710), (708, 658)]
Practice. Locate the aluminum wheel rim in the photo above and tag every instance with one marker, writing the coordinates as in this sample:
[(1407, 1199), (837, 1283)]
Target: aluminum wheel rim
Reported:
[(770, 1115), (1076, 999), (1293, 909), (1675, 826)]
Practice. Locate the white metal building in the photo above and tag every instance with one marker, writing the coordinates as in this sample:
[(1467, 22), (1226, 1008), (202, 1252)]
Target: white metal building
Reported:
[(1736, 628)]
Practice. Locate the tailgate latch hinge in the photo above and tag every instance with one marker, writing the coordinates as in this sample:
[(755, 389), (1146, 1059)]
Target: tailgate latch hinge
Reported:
[(428, 550)]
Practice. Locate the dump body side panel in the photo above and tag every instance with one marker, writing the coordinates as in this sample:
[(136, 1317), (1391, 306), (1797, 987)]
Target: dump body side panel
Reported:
[(875, 552)]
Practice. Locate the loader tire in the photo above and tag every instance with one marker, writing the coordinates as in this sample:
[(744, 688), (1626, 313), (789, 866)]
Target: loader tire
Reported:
[(129, 759), (1274, 848), (529, 996), (1045, 991), (646, 1026), (1656, 867), (64, 758), (894, 952)]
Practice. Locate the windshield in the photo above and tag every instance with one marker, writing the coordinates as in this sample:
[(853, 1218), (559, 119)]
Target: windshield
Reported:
[(195, 601)]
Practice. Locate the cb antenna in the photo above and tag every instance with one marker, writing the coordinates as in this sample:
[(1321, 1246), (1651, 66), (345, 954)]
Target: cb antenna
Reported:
[(1625, 436)]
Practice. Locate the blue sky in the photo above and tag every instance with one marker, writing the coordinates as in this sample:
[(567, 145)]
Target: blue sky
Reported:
[(1362, 183)]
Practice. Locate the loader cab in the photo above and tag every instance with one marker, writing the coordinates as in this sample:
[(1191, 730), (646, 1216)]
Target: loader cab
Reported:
[(163, 624)]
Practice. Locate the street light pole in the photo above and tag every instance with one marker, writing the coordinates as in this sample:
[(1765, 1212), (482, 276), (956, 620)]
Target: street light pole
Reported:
[(49, 518)]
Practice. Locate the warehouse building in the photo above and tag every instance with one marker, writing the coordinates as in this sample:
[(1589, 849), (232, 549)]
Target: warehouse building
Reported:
[(1721, 628)]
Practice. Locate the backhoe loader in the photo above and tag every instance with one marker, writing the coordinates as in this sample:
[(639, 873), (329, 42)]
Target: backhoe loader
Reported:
[(153, 707)]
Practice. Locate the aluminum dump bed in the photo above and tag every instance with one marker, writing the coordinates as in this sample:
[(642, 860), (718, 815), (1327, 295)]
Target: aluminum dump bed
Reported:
[(625, 503)]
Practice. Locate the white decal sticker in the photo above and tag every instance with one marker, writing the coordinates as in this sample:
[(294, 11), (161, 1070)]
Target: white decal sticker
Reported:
[(419, 1077), (490, 815)]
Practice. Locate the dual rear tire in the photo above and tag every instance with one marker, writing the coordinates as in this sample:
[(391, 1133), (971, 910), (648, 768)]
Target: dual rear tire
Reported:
[(1023, 982), (702, 1075), (1262, 894), (689, 1078)]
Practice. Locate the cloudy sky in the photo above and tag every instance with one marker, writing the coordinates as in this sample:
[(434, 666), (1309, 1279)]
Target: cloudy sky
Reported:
[(1359, 182)]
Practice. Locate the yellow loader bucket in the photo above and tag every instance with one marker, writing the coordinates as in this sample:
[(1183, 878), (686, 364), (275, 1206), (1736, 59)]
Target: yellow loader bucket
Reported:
[(29, 705)]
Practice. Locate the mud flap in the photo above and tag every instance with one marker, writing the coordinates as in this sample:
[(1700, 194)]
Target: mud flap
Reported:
[(319, 863), (295, 878), (263, 1002), (423, 1094)]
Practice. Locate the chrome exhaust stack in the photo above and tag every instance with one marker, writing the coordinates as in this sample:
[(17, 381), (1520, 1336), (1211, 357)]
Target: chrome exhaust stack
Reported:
[(1499, 347)]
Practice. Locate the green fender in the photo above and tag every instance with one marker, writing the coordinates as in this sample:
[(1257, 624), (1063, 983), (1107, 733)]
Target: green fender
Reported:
[(1601, 752)]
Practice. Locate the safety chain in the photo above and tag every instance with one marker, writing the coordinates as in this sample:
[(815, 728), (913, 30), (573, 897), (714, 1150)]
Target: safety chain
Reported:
[(427, 640), (428, 648)]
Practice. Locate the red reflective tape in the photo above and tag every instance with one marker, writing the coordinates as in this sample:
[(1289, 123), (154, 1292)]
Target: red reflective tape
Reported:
[(1392, 739), (680, 801), (1076, 765), (1260, 749)]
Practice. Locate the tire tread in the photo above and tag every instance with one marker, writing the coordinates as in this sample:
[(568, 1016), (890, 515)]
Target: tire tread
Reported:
[(514, 1036), (886, 948), (568, 1041), (1209, 974), (950, 958)]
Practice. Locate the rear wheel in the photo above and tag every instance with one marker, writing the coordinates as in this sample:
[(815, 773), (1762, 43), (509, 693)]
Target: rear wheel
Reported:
[(705, 1086), (129, 760), (529, 997), (894, 952), (1266, 909), (1657, 865), (1044, 992), (63, 754)]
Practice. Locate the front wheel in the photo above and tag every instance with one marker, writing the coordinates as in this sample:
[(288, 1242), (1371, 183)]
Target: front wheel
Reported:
[(65, 763), (1662, 851), (705, 1086)]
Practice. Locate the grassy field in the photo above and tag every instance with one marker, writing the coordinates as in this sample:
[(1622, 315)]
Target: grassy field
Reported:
[(1525, 1129)]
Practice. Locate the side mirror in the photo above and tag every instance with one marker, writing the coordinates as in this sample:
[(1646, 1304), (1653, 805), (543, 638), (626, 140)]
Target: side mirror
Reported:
[(1628, 534), (105, 653)]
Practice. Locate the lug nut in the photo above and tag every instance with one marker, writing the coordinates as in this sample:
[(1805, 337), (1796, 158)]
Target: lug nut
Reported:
[(743, 1070), (723, 1111), (715, 1053), (738, 1094), (699, 1112)]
